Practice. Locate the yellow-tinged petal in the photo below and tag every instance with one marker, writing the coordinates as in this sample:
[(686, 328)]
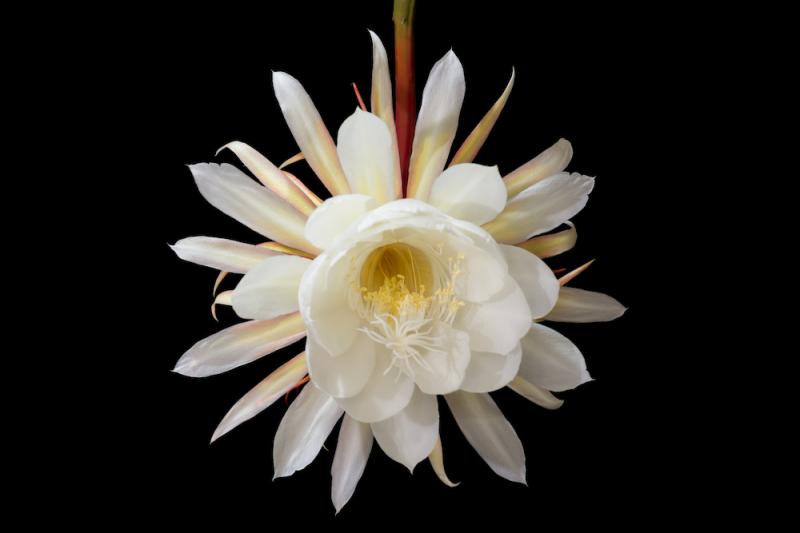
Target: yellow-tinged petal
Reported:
[(566, 278), (282, 248), (302, 186), (221, 276), (381, 103), (552, 161), (551, 245), (294, 159), (437, 462), (539, 396), (473, 143), (264, 394), (223, 298)]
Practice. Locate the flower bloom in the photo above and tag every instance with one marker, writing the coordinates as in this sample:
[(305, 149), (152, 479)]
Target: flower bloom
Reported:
[(401, 299)]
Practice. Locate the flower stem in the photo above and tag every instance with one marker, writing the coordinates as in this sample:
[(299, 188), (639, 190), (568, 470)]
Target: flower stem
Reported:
[(405, 97)]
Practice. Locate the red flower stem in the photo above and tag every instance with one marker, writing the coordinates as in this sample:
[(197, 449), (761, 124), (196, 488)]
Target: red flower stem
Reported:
[(405, 97)]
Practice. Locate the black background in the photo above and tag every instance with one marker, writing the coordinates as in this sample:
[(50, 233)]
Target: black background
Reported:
[(196, 81)]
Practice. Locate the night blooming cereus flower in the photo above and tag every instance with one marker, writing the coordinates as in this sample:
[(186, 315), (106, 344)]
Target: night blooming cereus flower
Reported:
[(400, 299)]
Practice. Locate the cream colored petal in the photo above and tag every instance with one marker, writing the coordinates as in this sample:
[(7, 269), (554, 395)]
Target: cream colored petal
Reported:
[(303, 430), (473, 143), (385, 394), (437, 463), (228, 189), (270, 289), (366, 151), (471, 192), (534, 393), (436, 125), (578, 305), (409, 436), (381, 104), (310, 132), (551, 360), (239, 345), (534, 277), (350, 460), (346, 374), (541, 207), (264, 394), (552, 161), (445, 367), (488, 431), (553, 244), (272, 178), (334, 216), (488, 372), (221, 254)]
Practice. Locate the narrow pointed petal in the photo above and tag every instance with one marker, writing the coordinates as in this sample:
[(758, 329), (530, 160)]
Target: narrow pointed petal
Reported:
[(488, 372), (270, 289), (310, 132), (239, 345), (553, 244), (223, 298), (409, 436), (541, 207), (294, 159), (283, 249), (488, 431), (471, 192), (473, 143), (303, 430), (272, 178), (436, 125), (578, 305), (231, 191), (534, 277), (264, 394), (334, 216), (350, 460), (551, 361), (381, 104), (437, 462), (302, 186), (367, 153), (572, 274), (550, 162), (538, 395), (221, 254)]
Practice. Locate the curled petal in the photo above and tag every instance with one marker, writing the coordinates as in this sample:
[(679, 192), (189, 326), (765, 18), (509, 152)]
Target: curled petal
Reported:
[(294, 159), (350, 459), (552, 161), (545, 246), (221, 254), (578, 305), (437, 462), (223, 298), (538, 395)]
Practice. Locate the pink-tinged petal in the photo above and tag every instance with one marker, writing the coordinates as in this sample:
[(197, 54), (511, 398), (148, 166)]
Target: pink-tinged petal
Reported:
[(572, 274), (221, 254), (350, 460), (437, 463), (409, 436), (551, 361), (381, 104), (223, 298), (578, 305), (550, 162), (553, 244), (538, 395)]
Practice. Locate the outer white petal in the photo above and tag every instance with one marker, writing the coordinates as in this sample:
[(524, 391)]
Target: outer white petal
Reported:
[(541, 207), (385, 394), (231, 191), (497, 324), (366, 150), (446, 367), (303, 430), (350, 459), (264, 394), (222, 254), (471, 192), (270, 289), (491, 371), (534, 277), (488, 431), (534, 393), (551, 360), (310, 132), (436, 124), (550, 162), (240, 344), (334, 216), (346, 374), (578, 305), (409, 436), (381, 103)]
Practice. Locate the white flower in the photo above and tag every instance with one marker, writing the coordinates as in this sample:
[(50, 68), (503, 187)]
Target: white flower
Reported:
[(400, 299)]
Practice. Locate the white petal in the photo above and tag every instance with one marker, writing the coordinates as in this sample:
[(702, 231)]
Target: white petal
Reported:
[(482, 274), (541, 207), (497, 324), (334, 216), (231, 191), (381, 103), (385, 394), (447, 365), (534, 277), (239, 345), (350, 459), (488, 431), (471, 192), (550, 162), (346, 374), (310, 132), (534, 393), (551, 360), (264, 394), (270, 289), (409, 436), (578, 305), (491, 371), (222, 254), (436, 124), (366, 151), (303, 430)]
